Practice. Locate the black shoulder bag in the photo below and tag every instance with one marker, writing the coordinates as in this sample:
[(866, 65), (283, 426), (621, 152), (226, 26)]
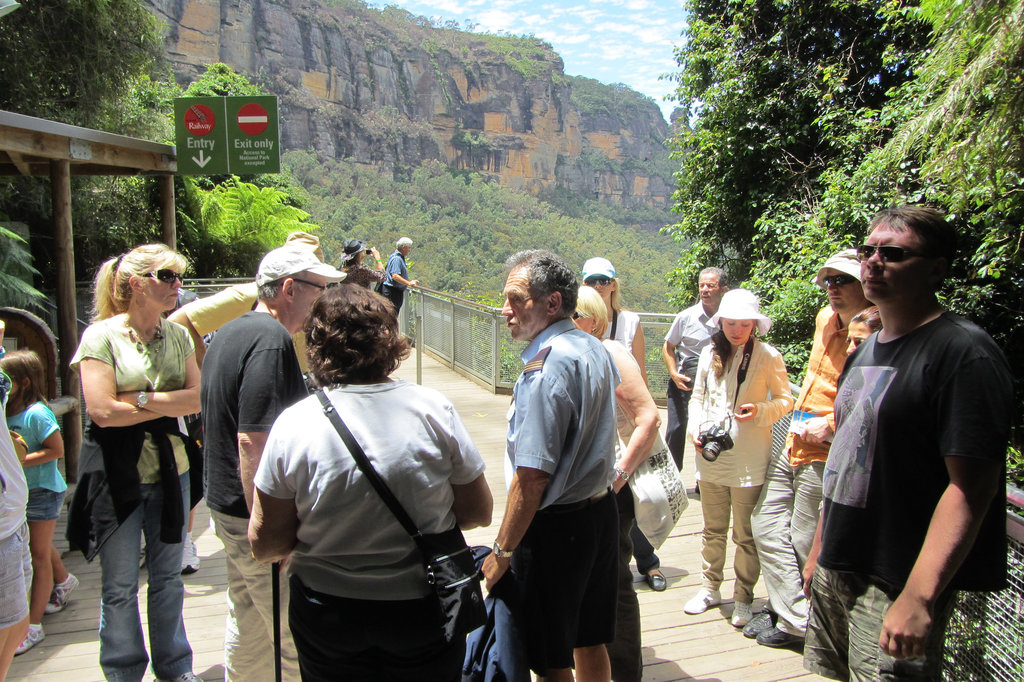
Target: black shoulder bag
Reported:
[(451, 570)]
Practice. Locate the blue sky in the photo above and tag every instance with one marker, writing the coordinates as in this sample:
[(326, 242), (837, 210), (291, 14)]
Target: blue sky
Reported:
[(613, 41)]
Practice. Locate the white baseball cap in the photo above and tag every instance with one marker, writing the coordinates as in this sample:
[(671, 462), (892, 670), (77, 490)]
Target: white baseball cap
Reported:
[(289, 260)]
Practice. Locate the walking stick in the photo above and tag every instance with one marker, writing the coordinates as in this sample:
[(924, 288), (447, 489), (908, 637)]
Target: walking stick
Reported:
[(275, 580)]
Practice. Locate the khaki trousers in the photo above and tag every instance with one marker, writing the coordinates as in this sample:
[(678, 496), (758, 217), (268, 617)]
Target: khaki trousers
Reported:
[(249, 631), (718, 501)]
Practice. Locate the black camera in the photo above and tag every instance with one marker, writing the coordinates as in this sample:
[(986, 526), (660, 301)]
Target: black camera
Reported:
[(714, 440)]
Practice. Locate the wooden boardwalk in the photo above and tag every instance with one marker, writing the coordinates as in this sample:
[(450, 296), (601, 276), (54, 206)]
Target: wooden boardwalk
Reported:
[(676, 646)]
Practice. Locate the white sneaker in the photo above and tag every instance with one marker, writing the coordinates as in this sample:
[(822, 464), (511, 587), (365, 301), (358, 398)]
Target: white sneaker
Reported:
[(60, 595), (34, 636), (741, 614), (189, 556), (701, 601)]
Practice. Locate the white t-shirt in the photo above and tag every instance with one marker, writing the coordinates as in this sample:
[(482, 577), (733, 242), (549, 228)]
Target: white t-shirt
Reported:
[(625, 328), (349, 542), (13, 490)]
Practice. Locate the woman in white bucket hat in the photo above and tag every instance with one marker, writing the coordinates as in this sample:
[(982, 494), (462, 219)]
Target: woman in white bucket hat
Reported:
[(740, 390)]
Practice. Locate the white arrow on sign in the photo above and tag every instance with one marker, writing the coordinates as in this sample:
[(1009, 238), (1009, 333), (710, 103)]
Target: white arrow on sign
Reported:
[(202, 160)]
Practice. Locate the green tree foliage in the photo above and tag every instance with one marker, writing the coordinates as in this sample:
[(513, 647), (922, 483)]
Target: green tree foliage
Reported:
[(16, 272), (958, 143), (463, 227), (77, 61), (220, 80), (911, 103), (775, 91), (240, 223)]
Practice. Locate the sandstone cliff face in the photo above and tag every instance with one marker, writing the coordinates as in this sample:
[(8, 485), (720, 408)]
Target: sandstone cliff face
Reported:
[(384, 89)]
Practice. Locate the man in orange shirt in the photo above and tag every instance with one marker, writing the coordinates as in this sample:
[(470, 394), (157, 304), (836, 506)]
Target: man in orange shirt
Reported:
[(786, 515)]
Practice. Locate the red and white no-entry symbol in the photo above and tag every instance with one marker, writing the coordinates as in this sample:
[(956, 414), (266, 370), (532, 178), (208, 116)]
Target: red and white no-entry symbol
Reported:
[(199, 120), (252, 119)]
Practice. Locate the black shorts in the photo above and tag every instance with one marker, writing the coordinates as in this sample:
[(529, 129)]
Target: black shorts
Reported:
[(566, 570)]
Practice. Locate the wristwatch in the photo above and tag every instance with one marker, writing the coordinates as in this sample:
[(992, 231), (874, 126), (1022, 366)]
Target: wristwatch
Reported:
[(141, 401), (621, 473), (500, 553)]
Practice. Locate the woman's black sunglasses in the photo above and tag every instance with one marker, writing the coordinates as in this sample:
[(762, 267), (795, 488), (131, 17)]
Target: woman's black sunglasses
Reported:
[(888, 254), (598, 281), (167, 276)]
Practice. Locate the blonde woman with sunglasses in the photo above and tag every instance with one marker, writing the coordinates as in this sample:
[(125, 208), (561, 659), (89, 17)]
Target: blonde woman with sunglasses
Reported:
[(139, 374)]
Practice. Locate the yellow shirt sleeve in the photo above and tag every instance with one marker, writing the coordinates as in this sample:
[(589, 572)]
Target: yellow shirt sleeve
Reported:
[(210, 313)]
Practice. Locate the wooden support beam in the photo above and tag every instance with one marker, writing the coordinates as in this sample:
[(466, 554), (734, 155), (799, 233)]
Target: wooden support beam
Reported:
[(67, 325), (167, 210), (20, 163)]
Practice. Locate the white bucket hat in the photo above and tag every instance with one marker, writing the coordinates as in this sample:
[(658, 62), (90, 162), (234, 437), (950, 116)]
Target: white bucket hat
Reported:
[(741, 304)]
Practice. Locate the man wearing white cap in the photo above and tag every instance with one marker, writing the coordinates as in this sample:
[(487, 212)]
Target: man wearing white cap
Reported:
[(250, 374), (396, 275), (786, 514)]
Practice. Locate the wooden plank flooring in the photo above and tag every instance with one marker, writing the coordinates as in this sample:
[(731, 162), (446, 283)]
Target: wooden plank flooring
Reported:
[(676, 646)]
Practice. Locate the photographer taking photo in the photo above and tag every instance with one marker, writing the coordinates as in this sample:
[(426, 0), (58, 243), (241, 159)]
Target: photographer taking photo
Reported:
[(740, 390), (352, 263)]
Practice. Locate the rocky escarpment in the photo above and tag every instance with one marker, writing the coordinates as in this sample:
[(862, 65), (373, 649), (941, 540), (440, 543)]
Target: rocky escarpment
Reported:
[(383, 87)]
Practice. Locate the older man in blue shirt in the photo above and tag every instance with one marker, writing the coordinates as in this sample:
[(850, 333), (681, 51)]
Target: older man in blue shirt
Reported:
[(559, 531)]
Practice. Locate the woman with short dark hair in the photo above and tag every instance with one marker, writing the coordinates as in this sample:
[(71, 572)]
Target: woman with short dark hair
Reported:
[(360, 607)]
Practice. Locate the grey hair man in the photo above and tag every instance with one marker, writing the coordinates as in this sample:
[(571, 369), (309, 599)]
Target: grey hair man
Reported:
[(250, 375), (684, 341), (396, 274), (786, 514), (560, 528), (913, 489)]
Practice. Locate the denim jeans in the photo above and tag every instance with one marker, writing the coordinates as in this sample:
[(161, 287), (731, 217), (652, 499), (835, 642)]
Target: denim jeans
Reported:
[(122, 648)]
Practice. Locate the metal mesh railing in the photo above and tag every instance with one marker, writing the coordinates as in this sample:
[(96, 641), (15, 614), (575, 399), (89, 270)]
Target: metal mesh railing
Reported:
[(985, 638)]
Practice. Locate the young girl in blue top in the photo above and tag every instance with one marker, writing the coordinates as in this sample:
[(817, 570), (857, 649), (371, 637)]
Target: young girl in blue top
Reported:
[(28, 415)]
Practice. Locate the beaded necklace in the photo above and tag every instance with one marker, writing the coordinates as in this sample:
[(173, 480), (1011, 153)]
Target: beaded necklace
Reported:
[(156, 342)]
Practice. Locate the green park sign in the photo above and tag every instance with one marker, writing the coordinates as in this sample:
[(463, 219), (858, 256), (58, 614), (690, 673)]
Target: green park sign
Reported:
[(220, 135)]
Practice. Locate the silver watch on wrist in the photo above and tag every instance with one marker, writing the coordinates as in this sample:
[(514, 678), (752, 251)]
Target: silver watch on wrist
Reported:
[(141, 400), (500, 553), (621, 473)]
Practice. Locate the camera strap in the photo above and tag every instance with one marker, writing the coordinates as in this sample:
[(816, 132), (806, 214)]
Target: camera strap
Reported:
[(741, 373)]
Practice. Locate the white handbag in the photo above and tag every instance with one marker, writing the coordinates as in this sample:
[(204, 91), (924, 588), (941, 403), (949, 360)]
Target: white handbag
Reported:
[(659, 494)]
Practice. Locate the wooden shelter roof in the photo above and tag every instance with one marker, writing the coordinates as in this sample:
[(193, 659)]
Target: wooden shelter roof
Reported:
[(29, 144)]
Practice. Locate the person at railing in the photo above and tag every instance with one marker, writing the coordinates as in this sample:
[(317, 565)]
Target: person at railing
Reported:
[(624, 327), (360, 607), (139, 474), (914, 492), (353, 254), (684, 341), (786, 514), (396, 274), (740, 390), (638, 422)]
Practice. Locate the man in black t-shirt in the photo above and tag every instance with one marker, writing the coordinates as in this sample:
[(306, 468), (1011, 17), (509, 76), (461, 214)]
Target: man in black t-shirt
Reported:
[(914, 486), (250, 375)]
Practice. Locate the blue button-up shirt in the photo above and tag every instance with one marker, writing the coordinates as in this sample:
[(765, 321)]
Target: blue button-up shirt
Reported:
[(562, 419)]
